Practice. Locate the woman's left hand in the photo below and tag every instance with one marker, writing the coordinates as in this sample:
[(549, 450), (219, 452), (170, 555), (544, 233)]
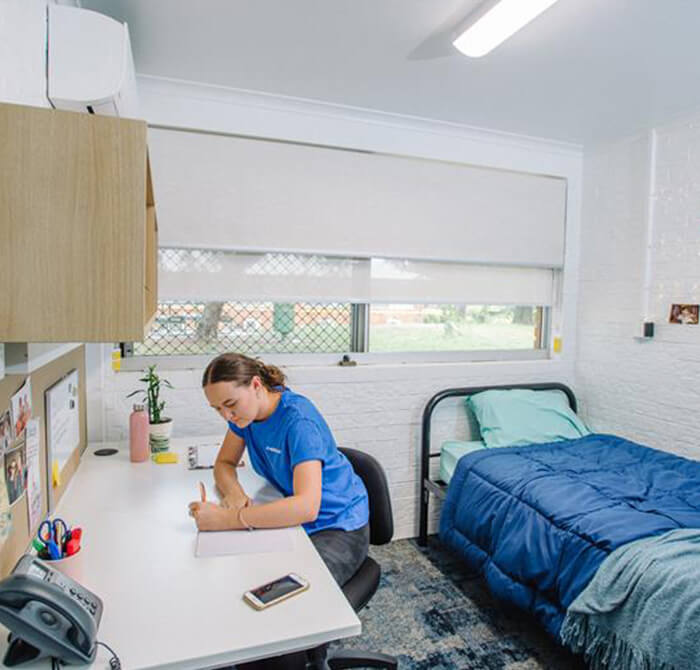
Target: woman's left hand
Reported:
[(209, 516)]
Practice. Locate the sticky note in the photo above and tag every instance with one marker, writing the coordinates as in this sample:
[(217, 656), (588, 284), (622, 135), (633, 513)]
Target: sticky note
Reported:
[(165, 457), (55, 474), (556, 345), (116, 360)]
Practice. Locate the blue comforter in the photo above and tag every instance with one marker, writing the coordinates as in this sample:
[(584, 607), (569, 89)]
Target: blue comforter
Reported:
[(537, 521)]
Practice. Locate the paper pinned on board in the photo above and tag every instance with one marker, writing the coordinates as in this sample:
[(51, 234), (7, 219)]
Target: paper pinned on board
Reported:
[(231, 542), (34, 499), (5, 514)]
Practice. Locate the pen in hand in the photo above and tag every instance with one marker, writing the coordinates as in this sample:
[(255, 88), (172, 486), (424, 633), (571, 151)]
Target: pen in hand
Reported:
[(194, 506)]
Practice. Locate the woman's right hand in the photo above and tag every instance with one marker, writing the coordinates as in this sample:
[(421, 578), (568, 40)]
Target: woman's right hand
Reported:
[(235, 500)]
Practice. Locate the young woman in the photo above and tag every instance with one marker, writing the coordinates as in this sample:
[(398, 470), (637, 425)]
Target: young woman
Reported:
[(290, 444)]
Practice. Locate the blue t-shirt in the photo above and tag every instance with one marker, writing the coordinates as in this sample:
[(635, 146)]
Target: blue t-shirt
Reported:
[(296, 432)]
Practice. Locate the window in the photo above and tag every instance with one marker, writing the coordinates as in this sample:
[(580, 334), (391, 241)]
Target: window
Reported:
[(186, 328), (304, 303), (454, 327), (263, 327)]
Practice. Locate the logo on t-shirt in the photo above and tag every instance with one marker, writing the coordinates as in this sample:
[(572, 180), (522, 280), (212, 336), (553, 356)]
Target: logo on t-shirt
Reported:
[(274, 450)]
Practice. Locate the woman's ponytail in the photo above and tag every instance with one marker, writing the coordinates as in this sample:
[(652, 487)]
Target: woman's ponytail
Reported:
[(270, 375)]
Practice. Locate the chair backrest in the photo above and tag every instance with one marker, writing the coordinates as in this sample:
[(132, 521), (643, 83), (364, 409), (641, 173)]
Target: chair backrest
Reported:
[(381, 519)]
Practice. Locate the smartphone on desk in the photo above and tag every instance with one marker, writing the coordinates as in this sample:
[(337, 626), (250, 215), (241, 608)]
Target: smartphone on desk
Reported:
[(275, 591)]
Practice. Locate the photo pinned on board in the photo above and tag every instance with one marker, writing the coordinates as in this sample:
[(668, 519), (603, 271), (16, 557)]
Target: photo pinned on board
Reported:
[(684, 314), (21, 408), (16, 472), (5, 431)]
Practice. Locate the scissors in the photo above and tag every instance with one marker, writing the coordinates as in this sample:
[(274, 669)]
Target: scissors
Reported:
[(52, 534)]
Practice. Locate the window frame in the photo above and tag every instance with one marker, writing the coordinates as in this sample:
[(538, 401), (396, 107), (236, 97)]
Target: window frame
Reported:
[(198, 361)]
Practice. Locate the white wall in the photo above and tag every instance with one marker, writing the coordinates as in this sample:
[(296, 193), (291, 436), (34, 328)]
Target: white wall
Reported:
[(640, 251), (376, 408), (25, 357), (23, 52)]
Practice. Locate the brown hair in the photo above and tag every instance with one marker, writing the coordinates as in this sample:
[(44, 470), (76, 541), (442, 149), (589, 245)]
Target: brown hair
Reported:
[(240, 370)]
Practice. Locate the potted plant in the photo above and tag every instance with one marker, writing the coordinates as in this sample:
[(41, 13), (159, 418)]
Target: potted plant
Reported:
[(161, 426)]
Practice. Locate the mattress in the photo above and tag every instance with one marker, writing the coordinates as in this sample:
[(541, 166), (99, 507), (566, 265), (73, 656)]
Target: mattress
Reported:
[(450, 453)]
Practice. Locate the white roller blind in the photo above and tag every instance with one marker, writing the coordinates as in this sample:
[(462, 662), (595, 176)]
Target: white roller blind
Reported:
[(232, 193), (427, 282), (195, 275), (224, 276)]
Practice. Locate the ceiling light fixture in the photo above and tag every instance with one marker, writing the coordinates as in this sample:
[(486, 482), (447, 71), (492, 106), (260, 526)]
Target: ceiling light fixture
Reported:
[(497, 24)]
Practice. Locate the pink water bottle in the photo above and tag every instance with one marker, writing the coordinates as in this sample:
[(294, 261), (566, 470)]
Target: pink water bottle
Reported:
[(138, 434)]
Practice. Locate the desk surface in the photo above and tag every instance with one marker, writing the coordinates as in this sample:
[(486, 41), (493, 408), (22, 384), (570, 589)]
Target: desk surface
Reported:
[(165, 608)]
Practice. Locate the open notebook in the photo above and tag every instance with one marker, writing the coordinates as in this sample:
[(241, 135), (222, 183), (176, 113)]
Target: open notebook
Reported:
[(228, 542)]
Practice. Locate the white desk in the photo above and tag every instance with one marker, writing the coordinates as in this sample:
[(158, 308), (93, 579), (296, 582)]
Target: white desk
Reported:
[(164, 608)]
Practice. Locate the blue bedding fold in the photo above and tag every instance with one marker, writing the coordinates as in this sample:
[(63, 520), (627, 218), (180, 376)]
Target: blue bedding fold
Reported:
[(538, 520)]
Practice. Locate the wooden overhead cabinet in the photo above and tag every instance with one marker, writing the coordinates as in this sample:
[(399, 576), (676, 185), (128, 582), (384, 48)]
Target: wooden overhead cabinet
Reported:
[(78, 231)]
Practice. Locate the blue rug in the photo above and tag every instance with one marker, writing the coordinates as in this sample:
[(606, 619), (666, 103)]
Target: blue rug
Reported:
[(431, 614)]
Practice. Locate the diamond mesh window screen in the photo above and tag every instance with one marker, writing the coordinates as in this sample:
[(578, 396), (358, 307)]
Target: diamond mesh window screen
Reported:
[(177, 259), (252, 328)]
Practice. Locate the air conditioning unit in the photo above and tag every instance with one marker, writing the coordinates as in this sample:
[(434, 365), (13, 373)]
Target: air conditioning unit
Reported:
[(89, 63)]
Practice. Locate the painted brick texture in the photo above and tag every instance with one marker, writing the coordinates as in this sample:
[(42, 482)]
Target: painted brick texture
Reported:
[(647, 391)]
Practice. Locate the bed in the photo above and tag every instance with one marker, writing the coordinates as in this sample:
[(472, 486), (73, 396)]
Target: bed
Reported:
[(448, 461), (537, 521)]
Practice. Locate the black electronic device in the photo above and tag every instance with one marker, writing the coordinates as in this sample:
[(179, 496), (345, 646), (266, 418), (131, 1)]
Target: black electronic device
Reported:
[(48, 615)]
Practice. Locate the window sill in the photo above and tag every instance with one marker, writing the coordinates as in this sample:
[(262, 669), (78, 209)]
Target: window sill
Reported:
[(364, 360)]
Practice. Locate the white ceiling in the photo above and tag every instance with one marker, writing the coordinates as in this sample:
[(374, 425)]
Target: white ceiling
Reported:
[(585, 70)]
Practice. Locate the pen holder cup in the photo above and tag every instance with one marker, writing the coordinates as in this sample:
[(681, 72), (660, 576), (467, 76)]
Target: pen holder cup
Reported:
[(71, 566)]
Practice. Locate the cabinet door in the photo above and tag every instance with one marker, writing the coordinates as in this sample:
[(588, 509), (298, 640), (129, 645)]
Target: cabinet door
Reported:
[(73, 194)]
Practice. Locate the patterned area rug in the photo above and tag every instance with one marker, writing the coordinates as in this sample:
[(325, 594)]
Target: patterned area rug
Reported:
[(431, 614)]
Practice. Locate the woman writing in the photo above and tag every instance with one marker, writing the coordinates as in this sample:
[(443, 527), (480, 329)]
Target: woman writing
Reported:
[(290, 444)]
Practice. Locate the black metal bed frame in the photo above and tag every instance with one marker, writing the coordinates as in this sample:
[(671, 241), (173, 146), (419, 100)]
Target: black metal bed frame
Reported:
[(438, 487)]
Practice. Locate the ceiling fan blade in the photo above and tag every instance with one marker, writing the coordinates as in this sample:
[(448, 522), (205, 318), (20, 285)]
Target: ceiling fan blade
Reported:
[(438, 45)]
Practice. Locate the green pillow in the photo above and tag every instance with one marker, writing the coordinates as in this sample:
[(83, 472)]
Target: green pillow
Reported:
[(521, 416)]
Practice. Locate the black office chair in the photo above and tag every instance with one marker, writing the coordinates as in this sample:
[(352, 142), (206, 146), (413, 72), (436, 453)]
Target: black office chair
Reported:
[(364, 583)]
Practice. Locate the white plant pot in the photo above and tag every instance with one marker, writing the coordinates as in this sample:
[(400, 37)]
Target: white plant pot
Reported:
[(159, 435)]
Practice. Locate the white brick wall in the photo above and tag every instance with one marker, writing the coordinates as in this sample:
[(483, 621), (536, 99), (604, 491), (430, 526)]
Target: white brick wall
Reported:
[(377, 409), (645, 390)]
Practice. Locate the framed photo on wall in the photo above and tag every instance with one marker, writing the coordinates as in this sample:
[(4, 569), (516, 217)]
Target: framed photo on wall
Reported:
[(684, 314)]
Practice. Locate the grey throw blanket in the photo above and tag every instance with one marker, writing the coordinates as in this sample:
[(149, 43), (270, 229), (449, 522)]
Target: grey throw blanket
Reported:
[(641, 610)]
